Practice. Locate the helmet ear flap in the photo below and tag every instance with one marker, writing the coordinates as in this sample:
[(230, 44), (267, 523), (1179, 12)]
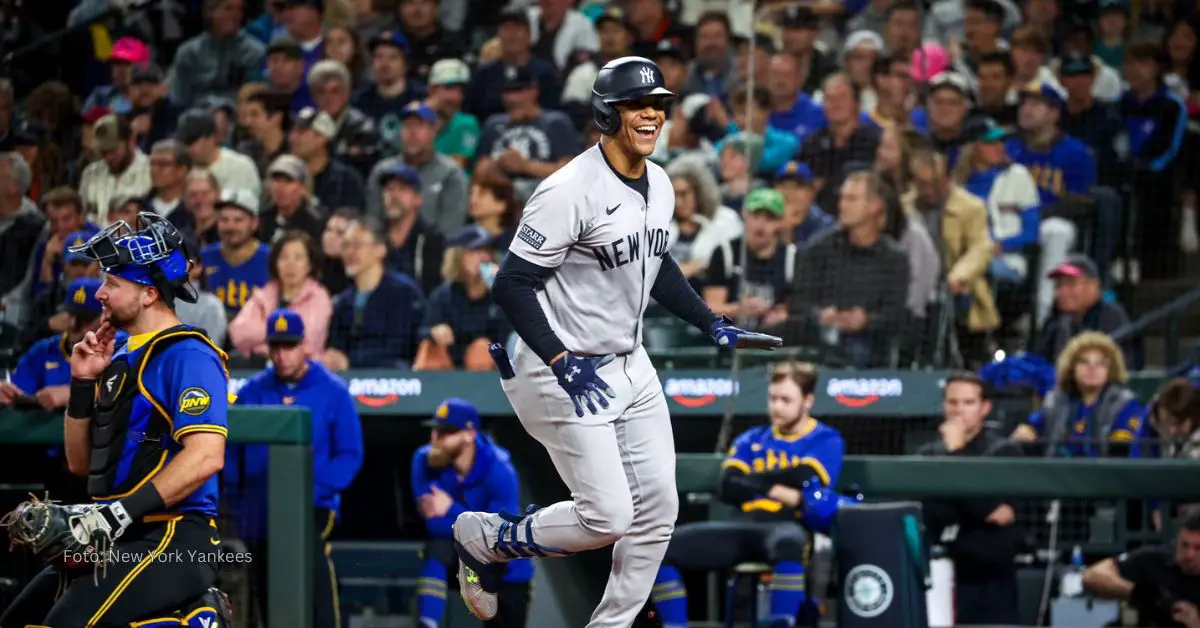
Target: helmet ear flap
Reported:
[(606, 117)]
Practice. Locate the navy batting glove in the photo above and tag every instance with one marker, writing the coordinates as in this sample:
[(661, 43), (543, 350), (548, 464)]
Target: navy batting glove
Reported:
[(577, 375), (726, 335)]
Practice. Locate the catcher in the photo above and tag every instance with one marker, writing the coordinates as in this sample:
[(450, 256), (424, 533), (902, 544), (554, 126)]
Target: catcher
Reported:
[(145, 423)]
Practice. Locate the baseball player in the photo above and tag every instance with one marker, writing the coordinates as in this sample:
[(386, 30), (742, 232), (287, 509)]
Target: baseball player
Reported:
[(590, 253), (780, 477), (146, 424), (295, 380)]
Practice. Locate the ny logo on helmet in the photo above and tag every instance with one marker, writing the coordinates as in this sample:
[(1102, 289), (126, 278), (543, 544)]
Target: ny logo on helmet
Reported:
[(647, 76)]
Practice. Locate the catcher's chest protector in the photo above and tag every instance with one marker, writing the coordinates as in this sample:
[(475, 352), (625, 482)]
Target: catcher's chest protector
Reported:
[(123, 400)]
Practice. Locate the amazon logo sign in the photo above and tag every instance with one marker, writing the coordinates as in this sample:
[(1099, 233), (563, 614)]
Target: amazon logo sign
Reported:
[(861, 392), (380, 392), (698, 392)]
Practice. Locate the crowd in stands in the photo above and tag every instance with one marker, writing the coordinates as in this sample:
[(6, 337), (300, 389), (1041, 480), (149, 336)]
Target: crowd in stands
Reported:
[(872, 178)]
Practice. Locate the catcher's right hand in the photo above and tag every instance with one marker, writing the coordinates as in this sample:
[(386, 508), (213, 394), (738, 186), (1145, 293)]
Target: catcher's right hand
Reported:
[(44, 528)]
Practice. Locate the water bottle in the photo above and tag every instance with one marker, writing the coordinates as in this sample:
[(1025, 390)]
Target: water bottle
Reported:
[(1072, 580)]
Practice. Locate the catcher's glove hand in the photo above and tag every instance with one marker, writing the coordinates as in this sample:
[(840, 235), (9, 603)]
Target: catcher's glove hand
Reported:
[(726, 335), (44, 528)]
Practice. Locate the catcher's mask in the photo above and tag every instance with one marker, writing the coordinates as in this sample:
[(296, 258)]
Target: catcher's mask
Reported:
[(153, 254)]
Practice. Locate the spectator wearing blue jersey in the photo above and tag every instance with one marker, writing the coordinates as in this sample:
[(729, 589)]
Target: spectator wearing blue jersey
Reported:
[(43, 374), (302, 19), (1155, 123), (376, 321), (1091, 413), (464, 469), (1014, 219), (791, 109), (236, 264)]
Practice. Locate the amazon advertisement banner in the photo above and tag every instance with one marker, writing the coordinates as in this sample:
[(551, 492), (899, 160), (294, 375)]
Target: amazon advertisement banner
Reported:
[(689, 393)]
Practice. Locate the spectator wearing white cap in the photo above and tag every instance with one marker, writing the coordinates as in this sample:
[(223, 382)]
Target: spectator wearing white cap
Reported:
[(858, 62), (458, 132), (233, 170), (390, 89), (236, 264), (333, 182), (289, 205), (559, 30)]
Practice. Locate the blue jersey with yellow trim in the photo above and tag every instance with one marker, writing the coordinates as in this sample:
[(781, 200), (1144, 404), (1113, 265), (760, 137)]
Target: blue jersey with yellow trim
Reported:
[(490, 486), (185, 382), (337, 443), (1127, 427), (233, 285), (47, 363), (764, 449)]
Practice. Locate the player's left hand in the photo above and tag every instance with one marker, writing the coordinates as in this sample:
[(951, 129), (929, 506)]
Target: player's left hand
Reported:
[(100, 526), (577, 376), (726, 335)]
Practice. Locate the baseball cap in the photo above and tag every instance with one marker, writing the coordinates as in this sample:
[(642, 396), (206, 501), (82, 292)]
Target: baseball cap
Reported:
[(213, 102), (949, 80), (449, 72), (990, 131), (614, 14), (81, 298), (1075, 64), (242, 199), (512, 16), (1049, 92), (319, 5), (472, 237), (518, 78), (396, 39), (764, 199), (1121, 6), (109, 132), (454, 414), (148, 73), (800, 17), (289, 166), (285, 327), (285, 45), (402, 172), (794, 171), (195, 124), (76, 239), (315, 119), (129, 50), (669, 49), (29, 133), (418, 109), (1076, 265), (928, 62)]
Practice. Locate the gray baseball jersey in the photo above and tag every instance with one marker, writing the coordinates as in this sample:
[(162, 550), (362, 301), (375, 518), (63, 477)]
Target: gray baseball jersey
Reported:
[(607, 243)]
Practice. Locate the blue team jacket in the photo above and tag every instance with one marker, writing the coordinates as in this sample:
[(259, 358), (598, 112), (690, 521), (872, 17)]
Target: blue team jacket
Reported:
[(337, 444), (491, 486)]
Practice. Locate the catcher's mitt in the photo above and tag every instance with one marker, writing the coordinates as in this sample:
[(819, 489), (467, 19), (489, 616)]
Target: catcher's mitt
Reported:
[(44, 528)]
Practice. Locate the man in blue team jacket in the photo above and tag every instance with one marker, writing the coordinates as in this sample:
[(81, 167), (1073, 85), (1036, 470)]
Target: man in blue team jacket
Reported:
[(293, 379), (463, 469)]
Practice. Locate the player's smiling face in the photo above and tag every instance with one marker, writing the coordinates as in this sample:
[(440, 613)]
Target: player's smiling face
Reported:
[(641, 122)]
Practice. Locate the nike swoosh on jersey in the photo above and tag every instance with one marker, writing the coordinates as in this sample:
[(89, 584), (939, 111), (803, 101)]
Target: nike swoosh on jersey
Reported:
[(612, 209)]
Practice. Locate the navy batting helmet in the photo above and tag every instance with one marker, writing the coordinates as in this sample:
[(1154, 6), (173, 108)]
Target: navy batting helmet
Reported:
[(627, 78)]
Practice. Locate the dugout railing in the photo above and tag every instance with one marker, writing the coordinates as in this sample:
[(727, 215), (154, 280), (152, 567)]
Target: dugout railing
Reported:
[(287, 433)]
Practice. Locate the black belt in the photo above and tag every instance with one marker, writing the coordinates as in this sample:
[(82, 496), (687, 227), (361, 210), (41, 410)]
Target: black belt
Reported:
[(600, 355)]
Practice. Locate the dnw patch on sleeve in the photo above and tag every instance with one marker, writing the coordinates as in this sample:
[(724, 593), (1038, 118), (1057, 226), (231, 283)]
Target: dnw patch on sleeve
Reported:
[(532, 237)]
